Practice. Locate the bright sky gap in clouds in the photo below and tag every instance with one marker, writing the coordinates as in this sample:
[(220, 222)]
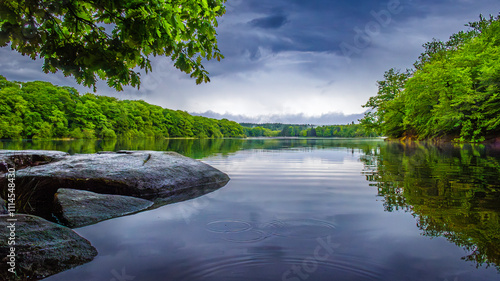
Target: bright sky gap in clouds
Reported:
[(291, 61)]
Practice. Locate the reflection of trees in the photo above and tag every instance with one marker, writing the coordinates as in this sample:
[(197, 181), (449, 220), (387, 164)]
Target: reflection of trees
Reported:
[(453, 191), (194, 148)]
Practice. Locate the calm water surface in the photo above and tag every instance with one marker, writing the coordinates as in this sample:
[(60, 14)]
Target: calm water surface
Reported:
[(309, 210)]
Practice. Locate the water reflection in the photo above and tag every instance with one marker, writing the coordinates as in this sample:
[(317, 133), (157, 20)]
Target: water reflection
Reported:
[(188, 147), (284, 192), (453, 191), (194, 148)]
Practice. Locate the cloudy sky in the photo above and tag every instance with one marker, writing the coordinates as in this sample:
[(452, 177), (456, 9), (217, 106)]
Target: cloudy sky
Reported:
[(292, 61)]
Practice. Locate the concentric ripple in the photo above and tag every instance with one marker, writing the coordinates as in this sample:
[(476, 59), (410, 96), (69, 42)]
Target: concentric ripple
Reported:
[(228, 226), (252, 235), (300, 228), (267, 267)]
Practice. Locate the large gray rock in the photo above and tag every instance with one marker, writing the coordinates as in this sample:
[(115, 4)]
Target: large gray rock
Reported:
[(42, 248), (80, 208), (143, 174), (20, 159), (153, 175)]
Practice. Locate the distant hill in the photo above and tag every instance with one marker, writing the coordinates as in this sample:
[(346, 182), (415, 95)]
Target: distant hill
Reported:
[(275, 126), (42, 110), (300, 118)]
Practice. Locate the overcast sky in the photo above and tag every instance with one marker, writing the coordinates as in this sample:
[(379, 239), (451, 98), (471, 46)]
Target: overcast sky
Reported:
[(297, 61)]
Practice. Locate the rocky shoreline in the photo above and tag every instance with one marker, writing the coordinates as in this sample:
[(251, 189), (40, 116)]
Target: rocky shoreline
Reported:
[(55, 192)]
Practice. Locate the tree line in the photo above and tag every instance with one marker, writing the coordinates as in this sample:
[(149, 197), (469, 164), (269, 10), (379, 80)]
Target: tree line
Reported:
[(293, 130), (41, 110), (453, 92)]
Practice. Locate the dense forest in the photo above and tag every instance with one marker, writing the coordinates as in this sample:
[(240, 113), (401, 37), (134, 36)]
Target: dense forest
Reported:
[(294, 130), (262, 130), (453, 92), (271, 126), (339, 131), (42, 110)]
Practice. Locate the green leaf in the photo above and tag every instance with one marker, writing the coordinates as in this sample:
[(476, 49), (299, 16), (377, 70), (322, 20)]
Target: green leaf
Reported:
[(73, 29)]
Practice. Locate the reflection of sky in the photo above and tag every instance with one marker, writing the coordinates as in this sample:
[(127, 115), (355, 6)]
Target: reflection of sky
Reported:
[(275, 206), (284, 58)]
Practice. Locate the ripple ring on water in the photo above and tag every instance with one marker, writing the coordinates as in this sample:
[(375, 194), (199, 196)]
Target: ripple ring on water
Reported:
[(250, 236), (300, 228), (228, 226)]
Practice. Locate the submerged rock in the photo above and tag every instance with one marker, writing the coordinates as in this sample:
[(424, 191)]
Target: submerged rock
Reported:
[(42, 248), (80, 208)]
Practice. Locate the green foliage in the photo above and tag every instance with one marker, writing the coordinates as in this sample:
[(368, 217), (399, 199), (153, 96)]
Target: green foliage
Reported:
[(231, 129), (108, 134), (384, 116), (40, 110), (293, 130), (274, 126), (76, 133), (260, 131), (454, 92), (338, 131), (110, 39)]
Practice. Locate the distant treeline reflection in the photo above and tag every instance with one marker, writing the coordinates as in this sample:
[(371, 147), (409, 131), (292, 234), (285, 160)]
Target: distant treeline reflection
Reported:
[(194, 148), (452, 191)]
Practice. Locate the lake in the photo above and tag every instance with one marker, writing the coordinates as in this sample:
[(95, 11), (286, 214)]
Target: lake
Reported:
[(308, 209)]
